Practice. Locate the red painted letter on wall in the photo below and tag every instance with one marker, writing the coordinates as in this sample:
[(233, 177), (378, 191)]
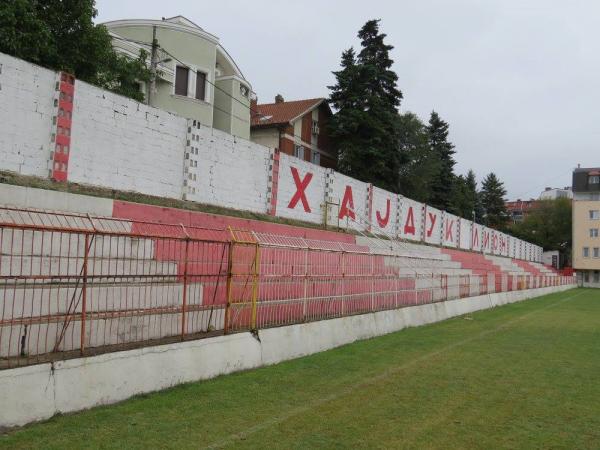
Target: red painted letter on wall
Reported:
[(475, 243), (409, 225), (301, 186), (450, 230), (347, 208), (383, 221), (432, 220)]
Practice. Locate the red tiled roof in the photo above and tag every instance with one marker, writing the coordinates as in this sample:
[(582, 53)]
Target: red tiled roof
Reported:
[(281, 113)]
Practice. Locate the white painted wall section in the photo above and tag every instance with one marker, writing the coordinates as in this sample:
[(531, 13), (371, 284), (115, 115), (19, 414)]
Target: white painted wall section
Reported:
[(384, 212), (122, 144), (301, 190), (230, 171), (26, 112)]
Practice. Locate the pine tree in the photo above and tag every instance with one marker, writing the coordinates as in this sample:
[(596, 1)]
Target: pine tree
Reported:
[(475, 212), (441, 196), (418, 164), (364, 128), (347, 98), (492, 200)]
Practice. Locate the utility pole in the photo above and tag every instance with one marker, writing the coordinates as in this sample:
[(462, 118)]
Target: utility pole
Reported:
[(153, 67)]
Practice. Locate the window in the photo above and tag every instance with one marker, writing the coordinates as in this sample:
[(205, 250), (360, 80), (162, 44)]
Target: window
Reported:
[(316, 158), (593, 232), (181, 80), (586, 252), (299, 151), (596, 277), (586, 277), (594, 214), (594, 179), (596, 252), (200, 85), (315, 127)]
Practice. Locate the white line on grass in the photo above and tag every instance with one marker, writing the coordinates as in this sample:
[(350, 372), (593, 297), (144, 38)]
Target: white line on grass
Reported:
[(377, 378)]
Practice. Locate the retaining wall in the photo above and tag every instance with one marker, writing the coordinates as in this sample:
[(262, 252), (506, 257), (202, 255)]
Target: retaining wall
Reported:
[(38, 392), (54, 126)]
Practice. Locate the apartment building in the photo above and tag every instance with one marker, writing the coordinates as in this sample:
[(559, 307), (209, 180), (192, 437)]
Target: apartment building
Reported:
[(586, 226)]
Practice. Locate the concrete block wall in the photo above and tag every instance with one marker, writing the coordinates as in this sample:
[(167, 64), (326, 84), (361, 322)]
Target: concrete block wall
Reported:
[(26, 116), (119, 143), (451, 230), (385, 208), (301, 189), (122, 144), (225, 170), (348, 200)]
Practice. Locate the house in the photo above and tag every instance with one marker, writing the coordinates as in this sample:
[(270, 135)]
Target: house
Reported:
[(196, 77), (586, 226), (297, 128), (519, 209)]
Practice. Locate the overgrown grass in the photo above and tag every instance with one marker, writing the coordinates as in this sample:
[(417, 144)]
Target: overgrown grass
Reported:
[(521, 376)]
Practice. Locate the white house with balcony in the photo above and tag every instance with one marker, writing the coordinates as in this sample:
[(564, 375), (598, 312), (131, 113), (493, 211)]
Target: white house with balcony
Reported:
[(196, 78)]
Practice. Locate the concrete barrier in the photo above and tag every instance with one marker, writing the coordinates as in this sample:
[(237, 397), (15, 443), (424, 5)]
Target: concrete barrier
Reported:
[(34, 393)]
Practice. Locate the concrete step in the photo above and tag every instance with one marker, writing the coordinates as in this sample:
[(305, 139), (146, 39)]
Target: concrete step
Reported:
[(64, 267), (48, 243)]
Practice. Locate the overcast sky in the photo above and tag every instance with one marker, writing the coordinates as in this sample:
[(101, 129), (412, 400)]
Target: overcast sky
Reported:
[(517, 80)]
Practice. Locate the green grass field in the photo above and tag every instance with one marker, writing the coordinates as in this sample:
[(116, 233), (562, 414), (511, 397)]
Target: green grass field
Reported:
[(521, 376)]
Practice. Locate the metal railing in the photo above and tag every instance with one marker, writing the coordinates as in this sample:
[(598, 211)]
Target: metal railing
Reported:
[(74, 285)]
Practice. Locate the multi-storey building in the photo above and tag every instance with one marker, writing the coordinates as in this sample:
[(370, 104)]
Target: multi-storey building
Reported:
[(298, 128), (196, 77), (519, 209), (586, 226), (555, 193)]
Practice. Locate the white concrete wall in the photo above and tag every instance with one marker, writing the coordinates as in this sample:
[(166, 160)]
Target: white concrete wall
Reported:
[(26, 112), (287, 189), (352, 197), (32, 198), (384, 214), (38, 392), (229, 171), (433, 226), (451, 230), (465, 234), (122, 144), (411, 219)]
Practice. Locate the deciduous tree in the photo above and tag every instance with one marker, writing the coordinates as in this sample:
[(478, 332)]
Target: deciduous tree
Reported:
[(61, 35)]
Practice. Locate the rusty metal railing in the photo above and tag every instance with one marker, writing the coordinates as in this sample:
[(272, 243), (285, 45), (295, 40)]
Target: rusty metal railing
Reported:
[(73, 284)]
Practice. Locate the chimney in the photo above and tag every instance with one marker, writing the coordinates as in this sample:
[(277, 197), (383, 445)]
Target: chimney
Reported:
[(279, 98)]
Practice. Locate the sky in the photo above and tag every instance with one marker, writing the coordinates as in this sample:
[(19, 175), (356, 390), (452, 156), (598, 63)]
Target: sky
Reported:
[(518, 81)]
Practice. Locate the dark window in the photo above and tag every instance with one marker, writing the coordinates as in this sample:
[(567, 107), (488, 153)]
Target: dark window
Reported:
[(200, 85), (181, 80)]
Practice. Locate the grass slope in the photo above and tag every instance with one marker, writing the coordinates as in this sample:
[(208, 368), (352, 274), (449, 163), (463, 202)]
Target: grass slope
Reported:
[(521, 376)]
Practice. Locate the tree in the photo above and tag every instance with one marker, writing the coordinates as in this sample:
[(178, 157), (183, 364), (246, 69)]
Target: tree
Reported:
[(476, 213), (492, 200), (437, 129), (61, 35), (366, 99), (548, 225), (418, 164)]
